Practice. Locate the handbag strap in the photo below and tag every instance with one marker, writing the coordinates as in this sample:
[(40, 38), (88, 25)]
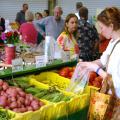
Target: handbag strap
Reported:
[(111, 85)]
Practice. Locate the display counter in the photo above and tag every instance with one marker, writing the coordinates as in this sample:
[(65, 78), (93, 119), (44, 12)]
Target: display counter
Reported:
[(7, 73)]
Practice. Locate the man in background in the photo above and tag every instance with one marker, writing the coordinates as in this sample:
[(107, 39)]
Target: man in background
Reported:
[(88, 39), (78, 6), (45, 13), (20, 17), (53, 24), (2, 24)]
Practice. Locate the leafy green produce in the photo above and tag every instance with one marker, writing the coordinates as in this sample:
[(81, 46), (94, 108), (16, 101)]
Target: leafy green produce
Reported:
[(4, 115), (34, 90)]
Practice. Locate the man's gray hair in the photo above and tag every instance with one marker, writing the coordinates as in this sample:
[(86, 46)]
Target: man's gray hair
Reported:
[(58, 7)]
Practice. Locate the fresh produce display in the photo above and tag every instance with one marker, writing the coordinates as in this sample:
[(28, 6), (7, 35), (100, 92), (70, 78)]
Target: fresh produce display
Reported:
[(52, 79), (15, 99), (66, 72), (51, 94), (95, 80), (5, 115)]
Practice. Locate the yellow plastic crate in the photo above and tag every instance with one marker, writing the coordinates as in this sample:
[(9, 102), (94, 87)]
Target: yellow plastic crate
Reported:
[(53, 111), (78, 102), (52, 79)]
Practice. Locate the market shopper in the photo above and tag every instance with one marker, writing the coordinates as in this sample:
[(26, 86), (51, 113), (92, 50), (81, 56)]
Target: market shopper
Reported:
[(78, 6), (88, 39), (2, 27), (2, 24), (67, 39), (38, 16), (53, 24), (27, 30), (109, 23), (45, 13), (20, 16)]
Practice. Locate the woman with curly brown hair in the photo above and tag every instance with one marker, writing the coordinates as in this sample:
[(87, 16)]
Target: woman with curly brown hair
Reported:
[(109, 23)]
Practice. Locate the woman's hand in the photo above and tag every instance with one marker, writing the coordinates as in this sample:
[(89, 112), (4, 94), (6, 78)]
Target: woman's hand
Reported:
[(92, 66), (89, 65)]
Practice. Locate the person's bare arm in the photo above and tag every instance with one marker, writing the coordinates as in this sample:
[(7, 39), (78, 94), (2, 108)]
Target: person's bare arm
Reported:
[(98, 62), (5, 65)]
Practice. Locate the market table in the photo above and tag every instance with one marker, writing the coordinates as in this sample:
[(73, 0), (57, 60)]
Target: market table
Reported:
[(7, 73)]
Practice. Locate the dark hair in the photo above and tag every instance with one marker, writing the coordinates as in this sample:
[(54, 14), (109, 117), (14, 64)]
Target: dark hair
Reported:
[(39, 14), (110, 15), (47, 12), (25, 4), (69, 16), (79, 5), (83, 12)]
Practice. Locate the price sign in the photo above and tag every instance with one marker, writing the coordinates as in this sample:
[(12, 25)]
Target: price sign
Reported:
[(40, 61), (17, 65)]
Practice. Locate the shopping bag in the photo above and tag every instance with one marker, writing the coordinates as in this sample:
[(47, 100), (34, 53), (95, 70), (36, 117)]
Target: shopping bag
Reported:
[(102, 103), (98, 105), (113, 108)]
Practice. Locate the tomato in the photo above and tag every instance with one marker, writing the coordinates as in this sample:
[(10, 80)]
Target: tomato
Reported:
[(97, 84), (70, 69), (70, 74), (63, 73), (92, 76), (73, 68), (99, 79)]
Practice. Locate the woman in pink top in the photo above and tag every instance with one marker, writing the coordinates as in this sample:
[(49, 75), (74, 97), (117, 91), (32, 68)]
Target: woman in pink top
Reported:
[(28, 31)]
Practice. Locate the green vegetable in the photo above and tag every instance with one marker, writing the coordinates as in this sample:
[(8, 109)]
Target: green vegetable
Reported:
[(33, 90), (4, 115)]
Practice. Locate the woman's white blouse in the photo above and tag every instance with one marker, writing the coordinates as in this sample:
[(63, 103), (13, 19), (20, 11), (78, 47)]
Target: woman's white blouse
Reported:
[(114, 63)]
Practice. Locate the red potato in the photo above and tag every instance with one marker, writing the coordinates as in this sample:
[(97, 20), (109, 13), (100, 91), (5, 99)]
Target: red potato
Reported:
[(3, 101), (35, 105), (13, 99), (27, 102), (5, 86), (16, 110), (13, 105), (30, 97), (18, 103), (12, 92), (1, 82), (21, 93), (17, 100), (1, 88), (7, 107), (29, 108), (22, 100), (2, 93), (41, 103), (19, 89), (23, 109)]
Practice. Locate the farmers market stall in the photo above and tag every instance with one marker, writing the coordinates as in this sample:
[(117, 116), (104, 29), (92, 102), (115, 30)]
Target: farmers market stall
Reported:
[(46, 85)]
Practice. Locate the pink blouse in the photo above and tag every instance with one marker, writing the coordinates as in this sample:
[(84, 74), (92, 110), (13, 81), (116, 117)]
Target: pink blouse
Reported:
[(29, 33)]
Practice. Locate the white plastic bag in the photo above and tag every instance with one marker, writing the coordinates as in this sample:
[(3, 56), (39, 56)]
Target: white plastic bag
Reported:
[(79, 80), (49, 49)]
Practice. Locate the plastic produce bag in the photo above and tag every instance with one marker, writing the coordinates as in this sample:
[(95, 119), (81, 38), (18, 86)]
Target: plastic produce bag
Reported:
[(79, 80), (49, 49)]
